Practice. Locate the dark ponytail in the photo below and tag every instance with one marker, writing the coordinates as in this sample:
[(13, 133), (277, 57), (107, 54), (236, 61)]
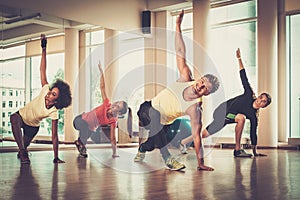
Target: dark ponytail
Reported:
[(129, 122)]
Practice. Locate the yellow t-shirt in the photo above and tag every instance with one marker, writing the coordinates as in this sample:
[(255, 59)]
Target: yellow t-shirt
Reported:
[(170, 103), (35, 111)]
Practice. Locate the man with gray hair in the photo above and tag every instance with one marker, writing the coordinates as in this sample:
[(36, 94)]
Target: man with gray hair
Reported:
[(180, 99)]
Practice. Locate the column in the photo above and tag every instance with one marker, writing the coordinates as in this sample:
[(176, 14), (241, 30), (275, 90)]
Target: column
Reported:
[(71, 73), (267, 72), (156, 49), (82, 83), (110, 66), (200, 34), (282, 73), (150, 60)]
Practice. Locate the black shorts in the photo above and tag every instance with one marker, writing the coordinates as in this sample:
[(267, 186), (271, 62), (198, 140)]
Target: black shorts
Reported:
[(29, 131)]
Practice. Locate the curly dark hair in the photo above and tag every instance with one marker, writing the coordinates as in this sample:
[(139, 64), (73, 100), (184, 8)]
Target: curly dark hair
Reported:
[(64, 99)]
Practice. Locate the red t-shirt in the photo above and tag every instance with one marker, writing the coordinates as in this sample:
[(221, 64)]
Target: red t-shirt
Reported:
[(97, 116)]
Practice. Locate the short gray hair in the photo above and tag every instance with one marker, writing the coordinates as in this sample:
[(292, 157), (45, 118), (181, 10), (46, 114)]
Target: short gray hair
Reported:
[(213, 81)]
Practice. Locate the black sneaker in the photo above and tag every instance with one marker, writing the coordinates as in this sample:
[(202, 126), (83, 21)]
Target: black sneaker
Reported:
[(18, 155), (23, 156), (241, 153), (81, 148)]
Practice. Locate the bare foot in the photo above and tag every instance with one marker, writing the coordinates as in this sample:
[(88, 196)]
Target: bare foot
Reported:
[(57, 160), (205, 168)]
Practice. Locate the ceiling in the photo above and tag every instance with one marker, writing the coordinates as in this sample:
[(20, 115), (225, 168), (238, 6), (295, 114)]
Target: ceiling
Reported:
[(22, 24), (25, 19)]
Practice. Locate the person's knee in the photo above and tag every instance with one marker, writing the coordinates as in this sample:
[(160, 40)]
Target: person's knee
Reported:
[(147, 146), (14, 118), (205, 133), (240, 118)]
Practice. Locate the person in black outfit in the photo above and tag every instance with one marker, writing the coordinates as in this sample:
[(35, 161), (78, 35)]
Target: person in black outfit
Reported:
[(237, 110)]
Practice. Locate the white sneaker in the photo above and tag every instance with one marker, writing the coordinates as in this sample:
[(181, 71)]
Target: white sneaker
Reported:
[(183, 148), (173, 164), (139, 157)]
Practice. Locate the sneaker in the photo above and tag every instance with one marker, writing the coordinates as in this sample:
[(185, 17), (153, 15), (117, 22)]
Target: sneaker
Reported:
[(182, 148), (139, 157), (173, 164), (81, 148), (18, 155), (23, 156), (241, 153)]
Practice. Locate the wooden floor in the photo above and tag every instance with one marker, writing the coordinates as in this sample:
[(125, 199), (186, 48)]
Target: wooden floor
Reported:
[(99, 176)]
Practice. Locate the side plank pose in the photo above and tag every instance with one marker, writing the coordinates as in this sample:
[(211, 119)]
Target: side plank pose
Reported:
[(103, 115), (51, 98), (181, 98), (237, 110)]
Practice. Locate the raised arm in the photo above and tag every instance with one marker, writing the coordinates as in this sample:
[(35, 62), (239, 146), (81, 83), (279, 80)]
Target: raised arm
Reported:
[(102, 83), (238, 56), (43, 61), (244, 78), (184, 70)]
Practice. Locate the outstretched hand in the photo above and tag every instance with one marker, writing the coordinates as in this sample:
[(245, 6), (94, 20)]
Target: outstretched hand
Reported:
[(43, 41), (180, 17), (238, 53)]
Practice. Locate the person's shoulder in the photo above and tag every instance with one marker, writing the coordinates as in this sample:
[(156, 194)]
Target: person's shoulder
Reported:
[(106, 101), (45, 88), (184, 79)]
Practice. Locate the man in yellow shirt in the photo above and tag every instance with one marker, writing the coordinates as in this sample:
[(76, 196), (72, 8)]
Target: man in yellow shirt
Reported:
[(181, 98)]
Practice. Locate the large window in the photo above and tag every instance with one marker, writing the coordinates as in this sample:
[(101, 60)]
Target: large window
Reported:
[(293, 61), (94, 54), (129, 56), (130, 85), (20, 83), (234, 26), (12, 85)]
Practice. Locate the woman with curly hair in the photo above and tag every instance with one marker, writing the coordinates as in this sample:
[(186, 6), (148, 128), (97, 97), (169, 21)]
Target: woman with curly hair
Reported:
[(46, 104)]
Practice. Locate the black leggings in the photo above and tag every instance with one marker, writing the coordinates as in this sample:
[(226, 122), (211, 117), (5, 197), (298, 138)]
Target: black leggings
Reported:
[(220, 119), (150, 119), (17, 123), (82, 126)]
